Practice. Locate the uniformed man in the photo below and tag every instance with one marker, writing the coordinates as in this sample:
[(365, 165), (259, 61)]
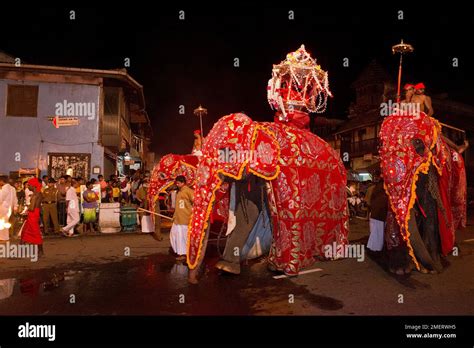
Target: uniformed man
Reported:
[(62, 186), (50, 208)]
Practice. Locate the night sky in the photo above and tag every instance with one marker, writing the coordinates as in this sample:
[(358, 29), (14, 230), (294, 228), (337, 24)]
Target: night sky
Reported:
[(190, 62)]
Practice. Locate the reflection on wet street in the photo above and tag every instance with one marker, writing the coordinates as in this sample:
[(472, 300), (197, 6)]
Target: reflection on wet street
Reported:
[(152, 285), (90, 277)]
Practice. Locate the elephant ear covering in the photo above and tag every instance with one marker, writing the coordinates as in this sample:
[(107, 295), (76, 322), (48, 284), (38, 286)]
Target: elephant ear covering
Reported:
[(168, 168), (310, 210), (401, 164), (226, 151)]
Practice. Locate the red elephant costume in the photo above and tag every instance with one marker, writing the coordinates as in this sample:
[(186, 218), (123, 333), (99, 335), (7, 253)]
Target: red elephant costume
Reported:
[(402, 166), (172, 165), (307, 179), (304, 177)]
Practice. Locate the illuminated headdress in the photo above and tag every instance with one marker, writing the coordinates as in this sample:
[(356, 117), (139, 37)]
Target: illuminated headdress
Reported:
[(298, 83)]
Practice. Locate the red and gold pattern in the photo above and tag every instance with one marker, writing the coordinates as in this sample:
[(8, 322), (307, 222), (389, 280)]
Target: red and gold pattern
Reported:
[(401, 165), (307, 181), (169, 167)]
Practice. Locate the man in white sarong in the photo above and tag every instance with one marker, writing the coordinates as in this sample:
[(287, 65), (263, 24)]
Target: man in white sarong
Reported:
[(181, 218)]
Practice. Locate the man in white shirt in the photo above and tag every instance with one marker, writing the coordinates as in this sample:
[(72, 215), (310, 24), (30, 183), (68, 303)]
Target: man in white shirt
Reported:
[(72, 206), (8, 205), (125, 188)]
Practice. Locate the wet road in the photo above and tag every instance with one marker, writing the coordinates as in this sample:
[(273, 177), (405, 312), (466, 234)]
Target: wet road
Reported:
[(152, 283)]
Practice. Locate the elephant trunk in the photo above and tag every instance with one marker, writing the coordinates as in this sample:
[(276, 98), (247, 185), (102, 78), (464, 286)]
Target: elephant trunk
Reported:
[(204, 196)]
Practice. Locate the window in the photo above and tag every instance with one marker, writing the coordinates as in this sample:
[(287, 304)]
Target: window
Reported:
[(22, 101), (74, 164), (111, 101)]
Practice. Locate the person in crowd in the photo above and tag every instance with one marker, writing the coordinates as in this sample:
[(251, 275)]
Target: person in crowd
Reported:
[(125, 188), (28, 193), (134, 188), (142, 201), (31, 232), (90, 205), (50, 207), (116, 191), (378, 207), (80, 182), (103, 186), (62, 187), (45, 181), (108, 193), (72, 204), (8, 207)]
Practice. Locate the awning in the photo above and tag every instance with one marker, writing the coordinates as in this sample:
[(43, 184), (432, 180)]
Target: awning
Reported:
[(110, 154)]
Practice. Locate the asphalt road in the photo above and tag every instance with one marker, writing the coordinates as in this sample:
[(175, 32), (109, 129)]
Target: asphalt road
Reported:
[(134, 274)]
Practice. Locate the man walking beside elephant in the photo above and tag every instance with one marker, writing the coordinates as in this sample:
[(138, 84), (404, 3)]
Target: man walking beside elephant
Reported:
[(181, 218)]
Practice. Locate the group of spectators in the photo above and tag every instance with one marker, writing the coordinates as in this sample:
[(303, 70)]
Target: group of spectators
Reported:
[(57, 202)]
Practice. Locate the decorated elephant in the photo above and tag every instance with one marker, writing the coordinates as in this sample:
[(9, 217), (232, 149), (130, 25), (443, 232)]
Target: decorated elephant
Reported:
[(170, 166), (299, 177), (426, 183)]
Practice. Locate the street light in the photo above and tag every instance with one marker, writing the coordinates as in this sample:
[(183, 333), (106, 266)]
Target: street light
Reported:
[(200, 111)]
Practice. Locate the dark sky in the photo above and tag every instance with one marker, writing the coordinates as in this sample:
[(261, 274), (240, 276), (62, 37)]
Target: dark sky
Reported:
[(191, 62)]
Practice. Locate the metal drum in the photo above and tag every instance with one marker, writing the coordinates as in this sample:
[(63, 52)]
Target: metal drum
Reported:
[(128, 215), (109, 218)]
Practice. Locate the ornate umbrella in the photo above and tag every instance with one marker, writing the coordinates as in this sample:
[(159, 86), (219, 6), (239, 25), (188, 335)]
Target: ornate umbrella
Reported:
[(401, 48)]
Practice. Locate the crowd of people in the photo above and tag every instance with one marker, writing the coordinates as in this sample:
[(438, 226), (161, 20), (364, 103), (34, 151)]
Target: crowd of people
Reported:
[(37, 207)]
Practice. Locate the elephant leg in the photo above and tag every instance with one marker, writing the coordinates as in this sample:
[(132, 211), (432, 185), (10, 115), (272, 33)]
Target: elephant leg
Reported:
[(430, 224), (419, 248), (247, 212), (396, 248), (425, 230), (193, 273)]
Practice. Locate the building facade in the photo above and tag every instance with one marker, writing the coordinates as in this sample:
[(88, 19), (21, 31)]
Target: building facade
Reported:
[(357, 138), (58, 120)]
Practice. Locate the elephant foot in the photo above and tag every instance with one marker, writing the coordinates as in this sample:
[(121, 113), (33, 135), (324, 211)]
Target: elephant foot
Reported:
[(271, 267), (423, 270), (400, 271), (192, 276), (427, 271), (397, 271), (228, 267)]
